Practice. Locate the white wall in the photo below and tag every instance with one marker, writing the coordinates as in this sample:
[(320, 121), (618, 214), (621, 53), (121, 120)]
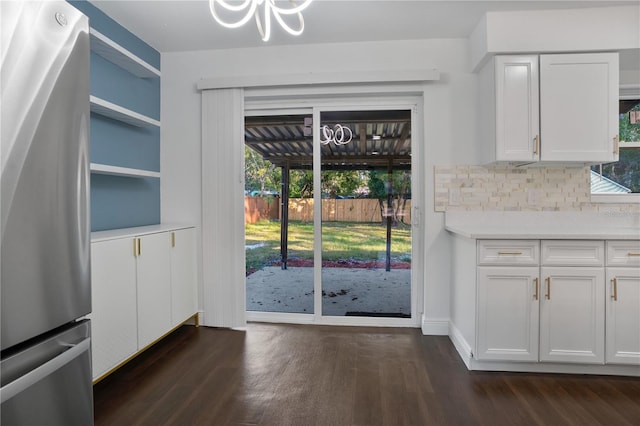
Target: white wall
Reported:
[(449, 127)]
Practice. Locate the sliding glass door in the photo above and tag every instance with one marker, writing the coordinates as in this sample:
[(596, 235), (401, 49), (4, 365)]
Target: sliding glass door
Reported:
[(329, 196), (365, 191), (279, 222)]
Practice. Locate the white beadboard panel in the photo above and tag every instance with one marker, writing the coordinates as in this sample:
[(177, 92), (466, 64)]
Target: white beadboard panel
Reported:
[(223, 207)]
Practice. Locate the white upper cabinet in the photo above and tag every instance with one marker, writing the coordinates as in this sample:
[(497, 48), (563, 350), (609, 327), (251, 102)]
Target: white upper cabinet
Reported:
[(551, 108), (517, 105), (579, 107)]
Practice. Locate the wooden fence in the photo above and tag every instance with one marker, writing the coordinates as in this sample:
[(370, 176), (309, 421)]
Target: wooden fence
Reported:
[(261, 208), (333, 210)]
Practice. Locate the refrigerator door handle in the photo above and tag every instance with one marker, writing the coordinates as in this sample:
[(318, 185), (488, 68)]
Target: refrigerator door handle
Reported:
[(18, 385)]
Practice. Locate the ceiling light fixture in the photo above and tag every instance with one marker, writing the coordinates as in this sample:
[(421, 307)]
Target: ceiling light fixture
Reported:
[(339, 135), (263, 20)]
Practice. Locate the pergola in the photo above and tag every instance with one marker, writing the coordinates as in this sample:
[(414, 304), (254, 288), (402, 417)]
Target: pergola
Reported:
[(381, 141)]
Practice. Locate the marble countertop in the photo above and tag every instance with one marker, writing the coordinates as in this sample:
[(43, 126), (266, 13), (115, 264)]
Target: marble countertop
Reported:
[(544, 225)]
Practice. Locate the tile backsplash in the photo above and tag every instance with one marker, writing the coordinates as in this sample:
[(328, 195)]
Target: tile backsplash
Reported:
[(510, 188)]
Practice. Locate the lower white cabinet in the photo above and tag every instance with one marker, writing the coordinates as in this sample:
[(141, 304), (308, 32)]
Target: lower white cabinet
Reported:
[(572, 315), (623, 316), (508, 313), (553, 311), (184, 293), (143, 286), (114, 336), (153, 272)]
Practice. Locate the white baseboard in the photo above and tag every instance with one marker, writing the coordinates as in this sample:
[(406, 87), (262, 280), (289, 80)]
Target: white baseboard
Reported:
[(435, 326), (461, 345)]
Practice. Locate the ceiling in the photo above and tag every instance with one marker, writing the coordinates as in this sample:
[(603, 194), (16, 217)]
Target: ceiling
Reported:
[(185, 25)]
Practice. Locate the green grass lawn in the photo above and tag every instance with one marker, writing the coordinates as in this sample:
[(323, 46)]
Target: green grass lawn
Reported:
[(340, 240)]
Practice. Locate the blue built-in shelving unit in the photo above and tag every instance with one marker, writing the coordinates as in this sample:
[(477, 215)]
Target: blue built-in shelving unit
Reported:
[(125, 125)]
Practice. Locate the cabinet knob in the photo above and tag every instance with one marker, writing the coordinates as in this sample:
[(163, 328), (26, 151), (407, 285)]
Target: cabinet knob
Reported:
[(536, 145)]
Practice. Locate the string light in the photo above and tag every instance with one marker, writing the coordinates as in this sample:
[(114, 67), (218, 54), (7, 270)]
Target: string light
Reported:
[(263, 21)]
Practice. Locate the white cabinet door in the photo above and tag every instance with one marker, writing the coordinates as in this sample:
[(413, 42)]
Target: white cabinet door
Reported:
[(572, 314), (517, 108), (154, 287), (623, 316), (114, 336), (183, 275), (508, 314), (579, 107)]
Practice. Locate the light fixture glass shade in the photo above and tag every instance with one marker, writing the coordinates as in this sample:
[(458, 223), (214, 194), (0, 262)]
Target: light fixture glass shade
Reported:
[(248, 8)]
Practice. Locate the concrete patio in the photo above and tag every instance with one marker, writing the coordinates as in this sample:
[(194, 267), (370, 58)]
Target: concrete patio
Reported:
[(345, 290)]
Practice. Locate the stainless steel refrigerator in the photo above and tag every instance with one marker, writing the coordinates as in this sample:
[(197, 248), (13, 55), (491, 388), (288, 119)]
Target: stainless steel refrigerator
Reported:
[(45, 261)]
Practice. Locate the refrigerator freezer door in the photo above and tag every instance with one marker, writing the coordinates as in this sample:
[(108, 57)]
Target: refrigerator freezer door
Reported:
[(49, 383), (45, 270)]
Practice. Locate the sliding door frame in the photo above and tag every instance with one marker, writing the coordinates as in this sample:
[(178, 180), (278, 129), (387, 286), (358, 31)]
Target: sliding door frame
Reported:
[(295, 101)]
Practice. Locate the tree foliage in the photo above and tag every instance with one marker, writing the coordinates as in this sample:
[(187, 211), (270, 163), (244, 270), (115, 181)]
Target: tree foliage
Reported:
[(259, 174), (392, 193), (340, 182), (626, 171), (301, 184)]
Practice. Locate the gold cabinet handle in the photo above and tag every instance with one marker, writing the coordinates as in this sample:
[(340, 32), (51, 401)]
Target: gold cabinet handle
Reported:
[(536, 145), (139, 246), (614, 289), (136, 247), (502, 253), (633, 254), (173, 239), (535, 283), (616, 144), (548, 295)]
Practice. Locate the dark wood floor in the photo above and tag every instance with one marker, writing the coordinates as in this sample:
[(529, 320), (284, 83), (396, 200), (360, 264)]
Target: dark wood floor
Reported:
[(317, 375)]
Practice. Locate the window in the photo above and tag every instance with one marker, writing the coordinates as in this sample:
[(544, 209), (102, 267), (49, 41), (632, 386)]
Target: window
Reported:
[(621, 178)]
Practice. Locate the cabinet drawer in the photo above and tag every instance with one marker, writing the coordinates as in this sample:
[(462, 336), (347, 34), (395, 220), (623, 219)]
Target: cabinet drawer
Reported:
[(572, 253), (508, 252), (623, 253)]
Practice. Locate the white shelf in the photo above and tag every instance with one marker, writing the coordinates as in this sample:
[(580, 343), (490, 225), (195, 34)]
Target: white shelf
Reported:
[(116, 112), (103, 169), (113, 52)]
